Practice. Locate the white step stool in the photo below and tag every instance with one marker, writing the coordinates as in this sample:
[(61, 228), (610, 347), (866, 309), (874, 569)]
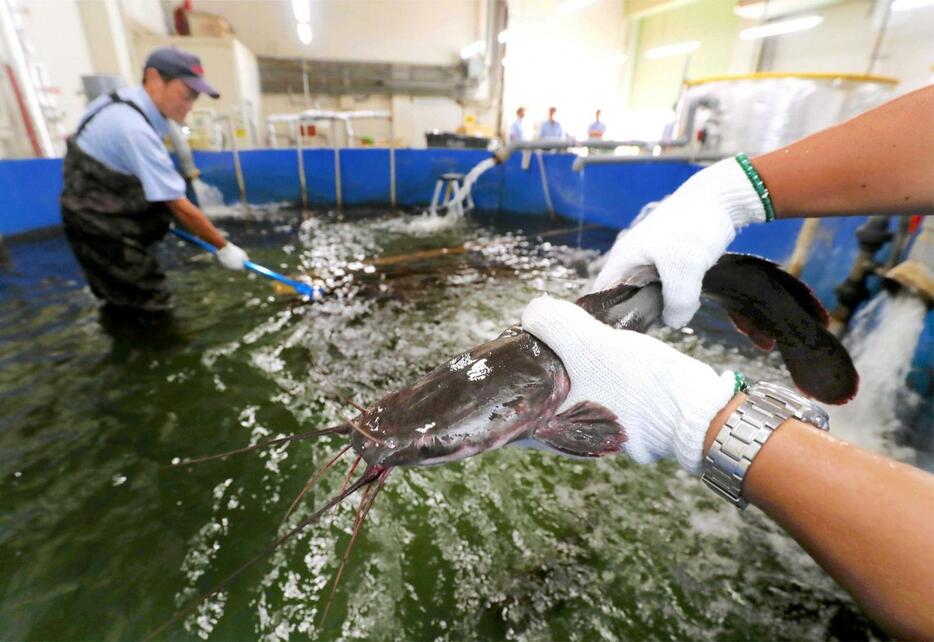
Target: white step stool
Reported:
[(451, 183)]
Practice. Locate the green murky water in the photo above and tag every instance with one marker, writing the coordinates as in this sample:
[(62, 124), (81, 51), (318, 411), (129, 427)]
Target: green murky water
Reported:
[(100, 538)]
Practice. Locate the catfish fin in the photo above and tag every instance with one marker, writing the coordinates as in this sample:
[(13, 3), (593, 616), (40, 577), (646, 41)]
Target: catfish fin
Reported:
[(802, 294), (745, 326), (586, 429), (822, 370)]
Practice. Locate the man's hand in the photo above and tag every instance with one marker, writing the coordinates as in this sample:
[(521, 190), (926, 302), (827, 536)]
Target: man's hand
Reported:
[(663, 399), (685, 236), (232, 256)]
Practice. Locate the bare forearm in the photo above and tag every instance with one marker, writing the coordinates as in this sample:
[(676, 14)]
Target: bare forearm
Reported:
[(881, 162), (865, 519), (193, 219)]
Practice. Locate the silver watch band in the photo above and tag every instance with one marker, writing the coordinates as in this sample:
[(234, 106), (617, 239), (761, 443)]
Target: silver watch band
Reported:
[(745, 432)]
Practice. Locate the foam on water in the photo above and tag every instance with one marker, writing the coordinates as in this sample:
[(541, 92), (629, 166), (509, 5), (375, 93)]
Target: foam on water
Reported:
[(211, 201), (520, 545), (882, 341)]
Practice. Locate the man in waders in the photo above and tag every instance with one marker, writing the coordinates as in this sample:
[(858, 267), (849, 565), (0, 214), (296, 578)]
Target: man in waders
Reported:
[(122, 190)]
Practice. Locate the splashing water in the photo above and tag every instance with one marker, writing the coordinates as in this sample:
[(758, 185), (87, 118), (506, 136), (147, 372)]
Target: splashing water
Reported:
[(208, 195), (211, 201), (882, 341), (456, 204), (431, 221)]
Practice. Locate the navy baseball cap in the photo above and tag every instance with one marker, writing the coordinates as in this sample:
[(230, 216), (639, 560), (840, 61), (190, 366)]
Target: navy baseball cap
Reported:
[(175, 63)]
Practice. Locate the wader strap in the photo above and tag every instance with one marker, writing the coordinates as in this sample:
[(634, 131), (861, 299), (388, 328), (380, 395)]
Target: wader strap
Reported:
[(114, 100)]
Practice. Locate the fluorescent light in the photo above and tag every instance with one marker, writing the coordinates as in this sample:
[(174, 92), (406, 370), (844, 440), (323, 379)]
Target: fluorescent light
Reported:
[(908, 5), (780, 27), (754, 11), (301, 10), (473, 49), (571, 6), (304, 32), (675, 49), (514, 32)]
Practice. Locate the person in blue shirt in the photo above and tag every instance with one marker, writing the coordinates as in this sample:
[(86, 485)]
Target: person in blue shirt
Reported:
[(597, 128), (516, 131), (551, 129), (122, 191)]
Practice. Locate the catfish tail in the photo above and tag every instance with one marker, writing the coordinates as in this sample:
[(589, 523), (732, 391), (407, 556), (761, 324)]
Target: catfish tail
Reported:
[(774, 308)]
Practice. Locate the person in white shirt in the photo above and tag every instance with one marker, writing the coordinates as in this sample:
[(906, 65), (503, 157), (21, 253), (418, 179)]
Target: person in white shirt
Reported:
[(516, 131), (597, 128), (551, 129)]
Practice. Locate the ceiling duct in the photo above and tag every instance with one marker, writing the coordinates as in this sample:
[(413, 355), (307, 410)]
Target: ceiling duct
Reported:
[(336, 77)]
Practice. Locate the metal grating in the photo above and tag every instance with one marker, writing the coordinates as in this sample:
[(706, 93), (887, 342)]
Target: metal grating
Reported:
[(284, 75)]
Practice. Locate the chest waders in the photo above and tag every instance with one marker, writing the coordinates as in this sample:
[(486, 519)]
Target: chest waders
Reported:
[(113, 229)]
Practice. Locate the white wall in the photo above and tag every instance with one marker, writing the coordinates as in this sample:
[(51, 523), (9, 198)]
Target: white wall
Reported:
[(843, 42), (412, 31), (406, 31), (63, 50), (142, 15), (571, 62)]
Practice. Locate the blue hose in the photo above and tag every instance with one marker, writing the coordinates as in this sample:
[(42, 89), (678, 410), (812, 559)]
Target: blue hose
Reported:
[(302, 288)]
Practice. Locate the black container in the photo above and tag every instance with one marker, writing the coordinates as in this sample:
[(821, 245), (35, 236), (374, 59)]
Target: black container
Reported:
[(455, 141)]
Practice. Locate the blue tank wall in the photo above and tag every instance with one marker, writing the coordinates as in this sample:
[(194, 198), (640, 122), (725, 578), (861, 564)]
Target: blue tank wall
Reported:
[(610, 195), (29, 191)]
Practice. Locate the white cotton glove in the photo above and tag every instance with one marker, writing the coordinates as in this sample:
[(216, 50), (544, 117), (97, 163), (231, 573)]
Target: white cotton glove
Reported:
[(664, 400), (232, 256), (685, 235)]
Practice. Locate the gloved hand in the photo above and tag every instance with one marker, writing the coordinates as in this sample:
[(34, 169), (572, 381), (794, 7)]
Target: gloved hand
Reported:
[(685, 235), (232, 257), (663, 399)]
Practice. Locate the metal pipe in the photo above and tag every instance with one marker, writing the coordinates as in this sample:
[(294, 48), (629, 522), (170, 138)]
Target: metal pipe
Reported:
[(338, 189), (583, 161), (392, 163), (185, 158), (271, 138), (541, 171), (871, 235), (803, 244), (301, 164), (238, 169)]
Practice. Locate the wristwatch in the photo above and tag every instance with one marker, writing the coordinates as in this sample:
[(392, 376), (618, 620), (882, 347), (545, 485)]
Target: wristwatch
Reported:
[(745, 432)]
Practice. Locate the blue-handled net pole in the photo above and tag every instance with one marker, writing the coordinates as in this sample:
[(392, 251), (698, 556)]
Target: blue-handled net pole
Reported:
[(302, 288)]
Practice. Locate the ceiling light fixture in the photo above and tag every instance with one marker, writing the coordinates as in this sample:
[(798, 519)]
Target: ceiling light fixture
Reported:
[(780, 27), (571, 6), (473, 49), (301, 10), (908, 5), (675, 49), (304, 32), (511, 33)]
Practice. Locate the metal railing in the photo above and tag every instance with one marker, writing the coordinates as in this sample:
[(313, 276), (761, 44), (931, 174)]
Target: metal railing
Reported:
[(298, 120)]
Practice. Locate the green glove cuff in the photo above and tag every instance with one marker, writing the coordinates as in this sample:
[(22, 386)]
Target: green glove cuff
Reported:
[(758, 184)]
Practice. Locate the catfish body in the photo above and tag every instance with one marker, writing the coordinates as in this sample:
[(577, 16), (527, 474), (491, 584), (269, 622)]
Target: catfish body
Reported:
[(508, 390)]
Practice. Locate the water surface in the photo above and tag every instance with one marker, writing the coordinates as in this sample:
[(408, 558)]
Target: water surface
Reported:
[(101, 538)]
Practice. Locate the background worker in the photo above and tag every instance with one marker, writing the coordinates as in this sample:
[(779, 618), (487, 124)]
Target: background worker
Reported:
[(122, 191), (865, 519), (551, 129), (516, 130), (597, 128)]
